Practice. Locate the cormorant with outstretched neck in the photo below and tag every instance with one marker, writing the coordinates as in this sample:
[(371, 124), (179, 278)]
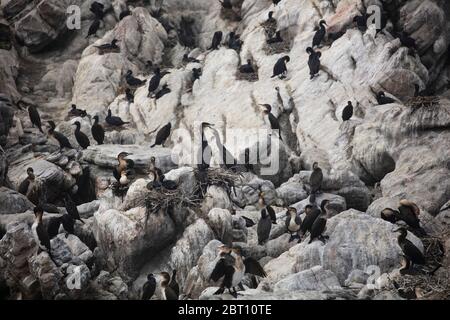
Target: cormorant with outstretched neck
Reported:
[(275, 39), (132, 81), (35, 118), (313, 62), (311, 212), (316, 178), (410, 251), (149, 287), (75, 112), (293, 223), (129, 95), (347, 113), (270, 18), (82, 139), (97, 131), (217, 39), (382, 99), (93, 28), (274, 123), (247, 68), (71, 207), (162, 135), (109, 46), (39, 232), (320, 223), (167, 292), (280, 69), (25, 184), (320, 34), (154, 82), (124, 165), (164, 90), (232, 267), (113, 120), (62, 139)]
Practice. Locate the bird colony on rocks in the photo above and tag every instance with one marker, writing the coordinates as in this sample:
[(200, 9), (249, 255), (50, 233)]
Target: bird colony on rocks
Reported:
[(104, 111)]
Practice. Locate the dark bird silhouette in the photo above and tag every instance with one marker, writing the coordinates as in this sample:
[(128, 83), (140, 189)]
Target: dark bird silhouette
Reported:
[(319, 225), (313, 62), (262, 205), (312, 212), (154, 82), (159, 181), (293, 223), (410, 251), (409, 212), (97, 9), (274, 123), (382, 99), (109, 46), (316, 178), (275, 39), (196, 73), (264, 227), (40, 233), (347, 113), (187, 59), (71, 207), (124, 14), (247, 68), (407, 41), (129, 95), (270, 18), (132, 81), (234, 41), (95, 25), (97, 131), (35, 118), (390, 215), (167, 291), (204, 158), (25, 184), (174, 284), (161, 93), (62, 139), (280, 68), (320, 34), (226, 4), (276, 2), (162, 135), (149, 287), (186, 34), (228, 161), (248, 222), (124, 165), (361, 22), (114, 121), (217, 39), (82, 139), (75, 112)]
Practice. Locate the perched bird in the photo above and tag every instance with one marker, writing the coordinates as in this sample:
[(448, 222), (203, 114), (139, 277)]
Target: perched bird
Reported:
[(293, 223), (217, 39), (35, 118), (407, 41), (97, 9), (228, 160), (280, 68), (409, 212), (390, 215), (93, 28), (262, 205), (129, 95), (123, 165), (160, 181), (312, 212), (410, 251), (82, 139), (319, 225), (167, 292), (154, 168), (174, 284), (39, 232), (205, 153), (247, 68), (316, 178), (274, 123), (313, 62), (232, 267), (196, 73), (109, 46), (97, 131), (154, 82), (226, 4), (164, 90), (25, 184), (270, 18), (234, 41), (320, 34), (114, 121), (247, 161), (347, 113), (248, 222), (62, 139), (187, 59), (149, 287), (361, 21), (275, 39), (132, 81), (162, 135), (71, 208), (264, 227), (382, 99), (75, 112)]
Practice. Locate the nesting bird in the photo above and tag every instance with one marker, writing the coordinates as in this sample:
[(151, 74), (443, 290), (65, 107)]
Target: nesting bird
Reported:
[(113, 120), (167, 291), (382, 99), (132, 81), (154, 82), (247, 68), (108, 47), (408, 212), (280, 69), (411, 253), (124, 165), (275, 39), (75, 112), (162, 135)]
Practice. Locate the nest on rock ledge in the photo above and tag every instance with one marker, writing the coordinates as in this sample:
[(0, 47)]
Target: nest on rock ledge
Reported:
[(423, 102), (251, 77), (279, 47)]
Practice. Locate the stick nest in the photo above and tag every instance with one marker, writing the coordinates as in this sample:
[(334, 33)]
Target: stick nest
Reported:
[(423, 102)]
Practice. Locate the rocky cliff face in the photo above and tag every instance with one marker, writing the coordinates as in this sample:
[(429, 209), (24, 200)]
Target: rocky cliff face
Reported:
[(384, 153)]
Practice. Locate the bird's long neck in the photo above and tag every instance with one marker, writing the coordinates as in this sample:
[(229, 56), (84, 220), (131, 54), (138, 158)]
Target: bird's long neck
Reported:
[(38, 219)]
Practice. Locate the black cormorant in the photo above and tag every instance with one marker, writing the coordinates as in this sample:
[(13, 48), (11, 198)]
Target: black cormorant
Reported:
[(93, 28), (311, 212), (25, 184), (132, 81), (187, 59), (71, 207), (35, 118), (264, 227), (167, 292), (97, 131), (411, 252), (39, 232), (275, 39), (382, 99), (123, 165), (114, 121), (217, 39), (320, 223), (129, 95), (234, 41), (75, 112), (274, 123), (174, 284), (247, 68), (262, 205), (316, 178), (320, 34), (390, 215), (62, 139), (82, 139), (154, 82), (313, 62), (293, 223), (162, 135), (109, 46), (347, 114), (149, 287), (280, 68), (164, 90)]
